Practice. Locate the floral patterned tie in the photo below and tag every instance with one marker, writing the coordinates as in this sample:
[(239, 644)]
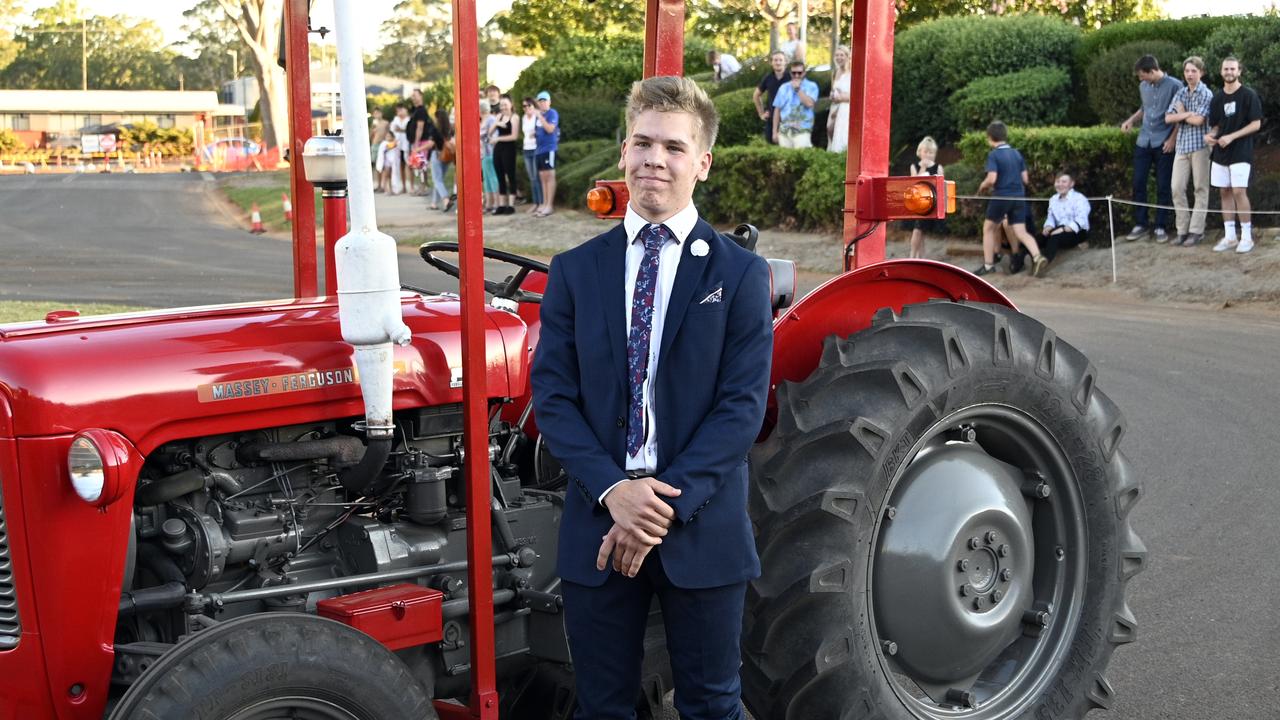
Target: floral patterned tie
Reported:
[(654, 237)]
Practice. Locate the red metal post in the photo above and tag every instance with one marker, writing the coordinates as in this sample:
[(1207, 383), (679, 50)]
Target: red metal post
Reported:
[(298, 73), (664, 37), (872, 88), (466, 104), (335, 226)]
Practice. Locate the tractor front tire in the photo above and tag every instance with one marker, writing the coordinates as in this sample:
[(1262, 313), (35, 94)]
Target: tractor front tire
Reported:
[(277, 665), (942, 515)]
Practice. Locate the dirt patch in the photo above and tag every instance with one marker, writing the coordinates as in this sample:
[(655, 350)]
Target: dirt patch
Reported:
[(1144, 270)]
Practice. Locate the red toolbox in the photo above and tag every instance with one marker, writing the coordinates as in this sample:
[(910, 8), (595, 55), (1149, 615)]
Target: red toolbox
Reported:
[(398, 616)]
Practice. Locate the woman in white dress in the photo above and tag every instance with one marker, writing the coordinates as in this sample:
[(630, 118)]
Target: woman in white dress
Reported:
[(838, 117)]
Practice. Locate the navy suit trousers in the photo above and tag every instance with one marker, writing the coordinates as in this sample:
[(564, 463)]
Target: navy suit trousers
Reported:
[(606, 627)]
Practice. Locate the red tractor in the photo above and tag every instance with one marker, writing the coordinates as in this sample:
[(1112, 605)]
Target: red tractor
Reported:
[(338, 505)]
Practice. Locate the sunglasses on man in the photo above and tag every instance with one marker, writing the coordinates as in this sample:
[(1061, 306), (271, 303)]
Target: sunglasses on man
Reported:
[(797, 73)]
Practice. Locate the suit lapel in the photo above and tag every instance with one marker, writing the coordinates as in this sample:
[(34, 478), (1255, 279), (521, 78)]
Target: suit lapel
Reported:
[(688, 277), (612, 263)]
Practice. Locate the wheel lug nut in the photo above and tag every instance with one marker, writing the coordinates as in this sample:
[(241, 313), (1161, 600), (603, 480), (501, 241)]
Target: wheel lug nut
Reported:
[(890, 647), (1036, 617), (970, 434), (963, 565), (1037, 490), (891, 512), (965, 590), (963, 698), (996, 597), (1006, 574), (992, 537), (974, 543), (1004, 551), (980, 602)]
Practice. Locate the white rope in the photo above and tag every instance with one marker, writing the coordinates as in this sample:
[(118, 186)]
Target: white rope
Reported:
[(1113, 199), (1111, 223)]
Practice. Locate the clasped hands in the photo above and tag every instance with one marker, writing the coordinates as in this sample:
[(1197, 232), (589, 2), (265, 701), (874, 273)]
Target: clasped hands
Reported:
[(641, 518)]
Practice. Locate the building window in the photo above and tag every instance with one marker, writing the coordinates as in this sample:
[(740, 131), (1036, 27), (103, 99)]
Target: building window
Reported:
[(20, 121), (165, 121), (92, 120)]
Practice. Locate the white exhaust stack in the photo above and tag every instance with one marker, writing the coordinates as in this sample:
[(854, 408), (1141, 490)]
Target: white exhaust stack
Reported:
[(365, 259)]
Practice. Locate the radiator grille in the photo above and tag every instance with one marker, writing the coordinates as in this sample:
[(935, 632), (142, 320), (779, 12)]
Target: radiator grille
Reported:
[(10, 628)]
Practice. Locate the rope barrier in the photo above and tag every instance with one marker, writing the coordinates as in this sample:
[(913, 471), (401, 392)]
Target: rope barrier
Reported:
[(1113, 199)]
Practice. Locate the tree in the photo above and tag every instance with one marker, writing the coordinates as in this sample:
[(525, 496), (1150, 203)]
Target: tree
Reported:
[(121, 53), (537, 24), (420, 41), (1084, 14), (258, 22), (9, 47), (206, 57)]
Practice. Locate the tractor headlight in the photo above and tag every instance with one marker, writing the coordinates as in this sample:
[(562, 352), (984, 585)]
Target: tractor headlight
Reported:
[(88, 471), (98, 463)]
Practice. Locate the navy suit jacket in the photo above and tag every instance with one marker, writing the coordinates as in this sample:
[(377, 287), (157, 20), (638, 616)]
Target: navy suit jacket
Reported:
[(711, 383)]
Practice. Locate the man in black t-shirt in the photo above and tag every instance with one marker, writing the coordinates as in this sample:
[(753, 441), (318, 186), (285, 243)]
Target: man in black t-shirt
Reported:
[(416, 131), (1234, 116), (767, 89)]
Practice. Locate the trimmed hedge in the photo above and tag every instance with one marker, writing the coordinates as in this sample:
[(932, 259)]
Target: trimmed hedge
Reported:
[(1035, 96), (572, 151), (1186, 33), (1257, 44), (769, 186), (574, 179), (583, 117), (739, 122), (1112, 84), (935, 59), (596, 66)]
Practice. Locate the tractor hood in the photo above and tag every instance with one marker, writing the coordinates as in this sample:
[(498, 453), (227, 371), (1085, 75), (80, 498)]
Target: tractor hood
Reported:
[(158, 376)]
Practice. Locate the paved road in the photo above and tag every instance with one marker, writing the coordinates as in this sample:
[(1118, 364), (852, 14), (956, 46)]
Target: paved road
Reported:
[(1199, 387)]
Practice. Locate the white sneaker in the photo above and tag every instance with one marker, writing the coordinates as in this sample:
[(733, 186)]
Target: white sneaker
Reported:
[(1226, 244), (1245, 245)]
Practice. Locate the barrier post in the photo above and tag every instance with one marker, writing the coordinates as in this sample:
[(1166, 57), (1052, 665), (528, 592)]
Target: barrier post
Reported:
[(1111, 223)]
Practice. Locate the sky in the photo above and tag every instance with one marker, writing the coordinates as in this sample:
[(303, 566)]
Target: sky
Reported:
[(168, 13)]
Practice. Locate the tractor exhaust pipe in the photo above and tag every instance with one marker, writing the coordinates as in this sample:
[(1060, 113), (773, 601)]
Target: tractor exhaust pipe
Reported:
[(368, 271)]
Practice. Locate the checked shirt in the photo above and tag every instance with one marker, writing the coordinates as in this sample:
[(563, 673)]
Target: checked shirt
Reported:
[(1191, 137)]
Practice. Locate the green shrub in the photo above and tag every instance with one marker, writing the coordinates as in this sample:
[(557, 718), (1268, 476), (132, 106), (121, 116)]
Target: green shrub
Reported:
[(574, 179), (738, 119), (9, 141), (1099, 158), (1187, 33), (1035, 96), (755, 184), (595, 66), (1112, 84), (748, 77), (584, 117), (935, 59), (572, 151), (1257, 45), (819, 195)]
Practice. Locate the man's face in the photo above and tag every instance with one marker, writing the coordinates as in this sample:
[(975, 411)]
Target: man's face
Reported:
[(1230, 71), (663, 159), (544, 105), (1191, 74), (1148, 76), (493, 94), (797, 75), (1063, 184), (779, 62)]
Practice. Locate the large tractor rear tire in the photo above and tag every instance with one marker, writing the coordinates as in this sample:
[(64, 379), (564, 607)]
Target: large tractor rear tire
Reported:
[(277, 665), (942, 516)]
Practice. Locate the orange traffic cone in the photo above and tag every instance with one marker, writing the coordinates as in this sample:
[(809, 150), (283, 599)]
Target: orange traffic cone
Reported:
[(288, 207), (256, 217)]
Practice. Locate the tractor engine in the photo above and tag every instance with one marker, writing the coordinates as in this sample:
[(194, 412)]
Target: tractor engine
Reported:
[(267, 511)]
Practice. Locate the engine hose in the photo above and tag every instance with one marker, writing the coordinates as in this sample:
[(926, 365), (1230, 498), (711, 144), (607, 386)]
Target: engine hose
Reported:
[(170, 488), (160, 563), (357, 479), (342, 449), (164, 597)]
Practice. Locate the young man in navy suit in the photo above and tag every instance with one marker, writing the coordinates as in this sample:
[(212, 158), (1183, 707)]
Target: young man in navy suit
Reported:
[(649, 386)]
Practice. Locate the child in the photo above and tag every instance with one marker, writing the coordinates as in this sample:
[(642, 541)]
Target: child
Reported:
[(927, 152), (488, 174), (1007, 174)]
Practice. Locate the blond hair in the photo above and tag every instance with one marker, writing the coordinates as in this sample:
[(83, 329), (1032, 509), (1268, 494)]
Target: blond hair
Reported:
[(670, 93), (928, 143), (1195, 60)]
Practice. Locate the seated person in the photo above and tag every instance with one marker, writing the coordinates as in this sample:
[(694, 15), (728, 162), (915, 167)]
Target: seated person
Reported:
[(1066, 224)]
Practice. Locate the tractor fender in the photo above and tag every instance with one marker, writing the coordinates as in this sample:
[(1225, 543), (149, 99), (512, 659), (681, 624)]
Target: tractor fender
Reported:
[(845, 305)]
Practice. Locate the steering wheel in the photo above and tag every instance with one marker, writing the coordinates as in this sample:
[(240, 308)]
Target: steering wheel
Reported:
[(510, 289)]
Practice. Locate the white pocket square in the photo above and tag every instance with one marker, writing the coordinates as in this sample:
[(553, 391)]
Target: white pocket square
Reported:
[(714, 297)]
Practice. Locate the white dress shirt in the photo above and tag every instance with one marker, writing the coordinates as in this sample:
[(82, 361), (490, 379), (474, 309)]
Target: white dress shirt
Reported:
[(680, 225)]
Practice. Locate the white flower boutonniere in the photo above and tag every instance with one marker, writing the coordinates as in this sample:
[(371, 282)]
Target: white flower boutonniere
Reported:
[(700, 248)]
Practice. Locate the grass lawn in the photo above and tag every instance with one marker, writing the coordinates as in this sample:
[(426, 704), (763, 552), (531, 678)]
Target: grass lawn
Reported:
[(269, 203), (23, 310)]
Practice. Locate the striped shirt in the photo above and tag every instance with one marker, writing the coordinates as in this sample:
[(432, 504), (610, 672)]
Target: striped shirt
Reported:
[(1070, 211), (1191, 137)]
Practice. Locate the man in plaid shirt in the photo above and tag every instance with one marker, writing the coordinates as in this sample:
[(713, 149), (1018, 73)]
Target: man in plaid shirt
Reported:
[(1188, 114)]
